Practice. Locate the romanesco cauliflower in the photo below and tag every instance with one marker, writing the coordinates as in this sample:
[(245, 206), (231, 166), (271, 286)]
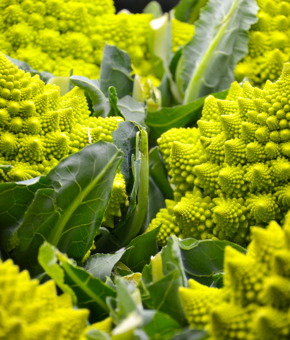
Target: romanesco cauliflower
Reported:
[(254, 302), (269, 44), (232, 172)]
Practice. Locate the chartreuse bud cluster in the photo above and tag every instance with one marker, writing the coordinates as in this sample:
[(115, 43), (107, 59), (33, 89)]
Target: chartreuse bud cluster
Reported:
[(32, 311), (233, 171), (60, 35), (38, 128), (254, 302), (269, 44)]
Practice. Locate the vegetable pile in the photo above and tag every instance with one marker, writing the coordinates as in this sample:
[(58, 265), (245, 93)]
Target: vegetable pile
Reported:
[(128, 192), (233, 171)]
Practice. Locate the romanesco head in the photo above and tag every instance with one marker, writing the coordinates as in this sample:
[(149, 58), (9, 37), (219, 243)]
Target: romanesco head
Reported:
[(254, 302), (237, 160)]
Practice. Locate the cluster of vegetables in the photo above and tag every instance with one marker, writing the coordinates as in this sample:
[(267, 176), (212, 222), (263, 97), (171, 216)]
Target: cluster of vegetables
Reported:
[(144, 244), (268, 45), (233, 171), (58, 36)]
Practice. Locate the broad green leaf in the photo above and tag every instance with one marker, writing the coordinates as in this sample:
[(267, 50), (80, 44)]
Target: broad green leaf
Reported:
[(163, 294), (188, 10), (202, 259), (191, 334), (158, 173), (140, 250), (92, 88), (174, 117), (44, 76), (90, 291), (15, 199), (132, 110), (154, 8), (125, 139), (132, 222), (101, 265), (220, 41), (162, 327), (69, 215), (116, 71), (155, 203)]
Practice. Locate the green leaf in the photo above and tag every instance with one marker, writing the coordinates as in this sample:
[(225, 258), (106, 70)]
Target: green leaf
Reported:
[(131, 223), (90, 291), (155, 203), (191, 334), (154, 8), (92, 88), (125, 139), (162, 327), (95, 334), (116, 71), (15, 199), (69, 215), (188, 10), (101, 265), (44, 76), (62, 82), (6, 168), (132, 110), (158, 173), (179, 116), (220, 41), (113, 99), (202, 259), (218, 280), (140, 250)]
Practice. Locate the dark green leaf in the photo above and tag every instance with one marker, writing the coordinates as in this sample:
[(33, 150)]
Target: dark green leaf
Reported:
[(125, 139), (15, 199), (218, 280), (69, 215), (6, 168), (90, 291), (179, 116), (191, 334), (141, 249), (92, 88), (153, 8), (116, 71), (155, 203), (162, 327), (188, 10), (44, 76), (220, 41), (101, 265), (158, 173), (202, 259), (131, 223)]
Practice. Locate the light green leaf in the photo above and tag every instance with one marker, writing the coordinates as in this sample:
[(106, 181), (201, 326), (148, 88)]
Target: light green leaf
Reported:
[(153, 7), (132, 110), (101, 265), (95, 334), (174, 117), (191, 334), (92, 88), (116, 71), (62, 82), (220, 41), (188, 10), (69, 215), (90, 291)]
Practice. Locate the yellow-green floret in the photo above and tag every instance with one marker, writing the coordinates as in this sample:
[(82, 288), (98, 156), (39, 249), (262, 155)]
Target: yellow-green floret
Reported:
[(233, 171), (38, 127), (269, 44), (59, 36), (254, 302), (30, 311)]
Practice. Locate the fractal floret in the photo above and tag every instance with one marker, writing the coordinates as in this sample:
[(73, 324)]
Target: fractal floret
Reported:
[(32, 311), (38, 127), (233, 171), (254, 302), (269, 44), (58, 36)]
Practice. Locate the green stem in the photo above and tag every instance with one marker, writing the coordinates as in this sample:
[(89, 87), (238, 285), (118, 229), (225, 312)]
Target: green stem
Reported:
[(157, 272)]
